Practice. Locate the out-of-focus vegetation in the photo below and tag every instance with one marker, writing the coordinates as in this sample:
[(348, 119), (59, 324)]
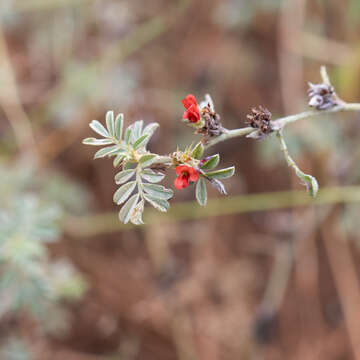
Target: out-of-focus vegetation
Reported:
[(250, 277)]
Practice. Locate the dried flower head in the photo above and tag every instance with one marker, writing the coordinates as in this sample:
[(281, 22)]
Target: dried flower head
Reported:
[(260, 119), (212, 126), (322, 96)]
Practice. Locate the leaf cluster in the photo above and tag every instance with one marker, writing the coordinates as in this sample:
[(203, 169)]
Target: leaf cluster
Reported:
[(137, 177), (207, 172)]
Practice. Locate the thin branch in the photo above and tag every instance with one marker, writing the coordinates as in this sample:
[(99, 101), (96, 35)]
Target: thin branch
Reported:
[(282, 122)]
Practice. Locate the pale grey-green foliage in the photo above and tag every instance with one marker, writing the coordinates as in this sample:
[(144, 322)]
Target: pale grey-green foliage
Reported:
[(139, 173), (136, 178), (213, 176), (30, 281)]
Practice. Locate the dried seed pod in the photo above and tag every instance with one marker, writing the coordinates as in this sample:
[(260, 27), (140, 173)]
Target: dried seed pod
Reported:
[(212, 125), (260, 119)]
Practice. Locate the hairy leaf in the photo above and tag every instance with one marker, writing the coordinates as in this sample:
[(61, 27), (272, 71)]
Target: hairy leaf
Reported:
[(119, 124), (123, 176), (147, 160), (152, 176), (110, 122), (128, 133), (98, 128), (118, 159), (136, 130), (200, 192), (141, 141), (159, 204), (124, 192), (211, 162), (310, 182), (136, 213), (126, 210), (158, 191), (218, 185), (198, 150), (107, 151), (221, 174), (130, 165), (150, 128), (97, 142)]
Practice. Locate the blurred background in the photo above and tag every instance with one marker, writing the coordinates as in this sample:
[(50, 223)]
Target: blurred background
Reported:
[(255, 276)]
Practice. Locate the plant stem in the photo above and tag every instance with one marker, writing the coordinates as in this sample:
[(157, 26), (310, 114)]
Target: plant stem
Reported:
[(282, 122)]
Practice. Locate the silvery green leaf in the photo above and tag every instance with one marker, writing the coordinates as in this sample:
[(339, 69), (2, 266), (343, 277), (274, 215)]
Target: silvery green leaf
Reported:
[(152, 176), (159, 204), (98, 128), (221, 174), (158, 191), (218, 185), (119, 124), (200, 192), (128, 133), (107, 151), (136, 214), (150, 128), (118, 159), (141, 141), (110, 122), (127, 209), (123, 176), (123, 192), (309, 181), (136, 130), (198, 151), (147, 160), (211, 162), (97, 142), (130, 165)]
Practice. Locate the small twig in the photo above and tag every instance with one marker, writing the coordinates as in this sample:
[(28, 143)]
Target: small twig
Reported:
[(282, 122), (309, 181)]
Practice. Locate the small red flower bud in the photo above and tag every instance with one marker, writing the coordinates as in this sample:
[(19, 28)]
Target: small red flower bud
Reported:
[(192, 112), (185, 174)]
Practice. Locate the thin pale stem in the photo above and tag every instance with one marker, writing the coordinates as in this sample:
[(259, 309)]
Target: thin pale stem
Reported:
[(282, 122), (285, 151)]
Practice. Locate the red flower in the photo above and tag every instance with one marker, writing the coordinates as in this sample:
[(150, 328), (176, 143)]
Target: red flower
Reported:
[(192, 112), (185, 173)]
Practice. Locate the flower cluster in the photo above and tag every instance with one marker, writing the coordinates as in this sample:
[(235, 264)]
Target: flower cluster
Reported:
[(322, 96), (260, 119), (192, 112), (203, 116)]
